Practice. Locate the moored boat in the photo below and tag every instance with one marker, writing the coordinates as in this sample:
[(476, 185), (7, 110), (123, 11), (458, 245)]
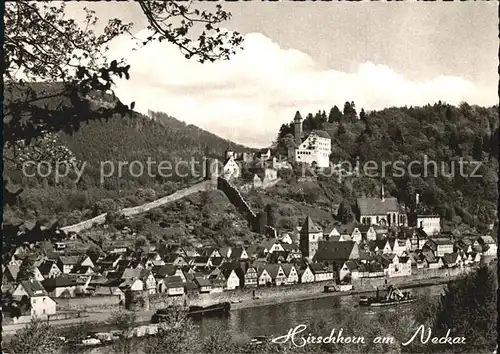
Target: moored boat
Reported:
[(221, 309), (394, 297)]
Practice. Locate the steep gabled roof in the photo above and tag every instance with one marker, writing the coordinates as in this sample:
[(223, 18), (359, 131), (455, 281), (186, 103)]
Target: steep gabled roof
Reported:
[(164, 270), (70, 260), (334, 251), (309, 226), (377, 206), (33, 288)]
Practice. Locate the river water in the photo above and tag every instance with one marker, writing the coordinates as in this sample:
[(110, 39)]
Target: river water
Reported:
[(277, 319)]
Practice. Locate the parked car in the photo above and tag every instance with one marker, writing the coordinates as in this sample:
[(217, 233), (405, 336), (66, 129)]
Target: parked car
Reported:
[(89, 340)]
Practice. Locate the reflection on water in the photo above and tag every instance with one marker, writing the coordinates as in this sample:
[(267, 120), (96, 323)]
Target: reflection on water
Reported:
[(279, 318)]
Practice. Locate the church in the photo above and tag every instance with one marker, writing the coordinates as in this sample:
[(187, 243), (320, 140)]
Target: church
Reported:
[(313, 149), (381, 211)]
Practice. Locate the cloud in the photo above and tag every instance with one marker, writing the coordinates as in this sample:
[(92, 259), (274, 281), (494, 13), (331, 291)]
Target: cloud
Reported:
[(248, 97)]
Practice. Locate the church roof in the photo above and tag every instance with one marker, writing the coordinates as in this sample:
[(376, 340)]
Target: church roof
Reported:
[(377, 206), (309, 226)]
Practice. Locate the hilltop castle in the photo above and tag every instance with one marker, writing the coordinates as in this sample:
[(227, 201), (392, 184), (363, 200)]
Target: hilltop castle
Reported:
[(313, 149)]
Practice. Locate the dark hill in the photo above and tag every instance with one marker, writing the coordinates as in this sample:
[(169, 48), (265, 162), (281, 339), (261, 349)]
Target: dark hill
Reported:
[(129, 138)]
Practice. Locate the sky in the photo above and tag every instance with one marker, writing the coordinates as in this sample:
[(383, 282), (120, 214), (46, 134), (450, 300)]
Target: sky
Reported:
[(310, 56)]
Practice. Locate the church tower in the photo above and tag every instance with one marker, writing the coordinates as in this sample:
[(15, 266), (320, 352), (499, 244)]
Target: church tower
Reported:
[(310, 235)]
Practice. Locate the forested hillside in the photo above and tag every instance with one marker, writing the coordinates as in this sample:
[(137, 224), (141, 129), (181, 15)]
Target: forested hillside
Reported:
[(443, 133), (128, 138)]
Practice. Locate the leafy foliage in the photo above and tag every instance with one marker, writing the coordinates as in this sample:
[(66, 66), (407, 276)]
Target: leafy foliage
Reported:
[(36, 338), (469, 309)]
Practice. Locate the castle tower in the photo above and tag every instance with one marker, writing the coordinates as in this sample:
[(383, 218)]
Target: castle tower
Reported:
[(297, 128)]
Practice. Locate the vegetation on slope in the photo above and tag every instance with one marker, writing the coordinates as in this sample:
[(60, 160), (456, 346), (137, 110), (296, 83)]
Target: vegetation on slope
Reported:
[(97, 148), (440, 132)]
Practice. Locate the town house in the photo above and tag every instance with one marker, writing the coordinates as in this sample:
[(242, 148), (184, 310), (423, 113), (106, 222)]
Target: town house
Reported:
[(306, 275), (234, 278), (61, 286), (292, 276), (218, 280), (204, 285), (49, 269), (174, 285), (277, 274), (66, 263), (337, 253), (453, 260), (41, 304), (251, 277), (439, 246), (321, 272), (263, 277)]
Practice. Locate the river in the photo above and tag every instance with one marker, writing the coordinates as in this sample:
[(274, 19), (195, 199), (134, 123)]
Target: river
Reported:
[(246, 323), (277, 319)]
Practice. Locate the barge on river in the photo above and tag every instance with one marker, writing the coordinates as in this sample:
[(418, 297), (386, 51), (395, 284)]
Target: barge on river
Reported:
[(221, 309), (394, 297)]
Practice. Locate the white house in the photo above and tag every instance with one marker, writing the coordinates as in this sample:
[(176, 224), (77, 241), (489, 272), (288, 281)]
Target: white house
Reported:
[(291, 273), (263, 277), (41, 304), (233, 280), (132, 284), (321, 273), (174, 286), (399, 267), (306, 275), (431, 224), (231, 169), (285, 238)]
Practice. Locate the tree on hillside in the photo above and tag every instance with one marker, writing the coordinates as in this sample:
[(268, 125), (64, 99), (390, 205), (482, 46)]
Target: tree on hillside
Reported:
[(486, 144), (94, 252), (341, 129), (271, 215), (477, 149), (72, 72), (344, 213), (469, 309), (335, 115), (27, 268), (494, 145), (347, 109), (362, 115)]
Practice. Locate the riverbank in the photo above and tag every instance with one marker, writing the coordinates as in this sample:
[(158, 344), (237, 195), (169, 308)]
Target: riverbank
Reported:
[(312, 296), (100, 319)]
